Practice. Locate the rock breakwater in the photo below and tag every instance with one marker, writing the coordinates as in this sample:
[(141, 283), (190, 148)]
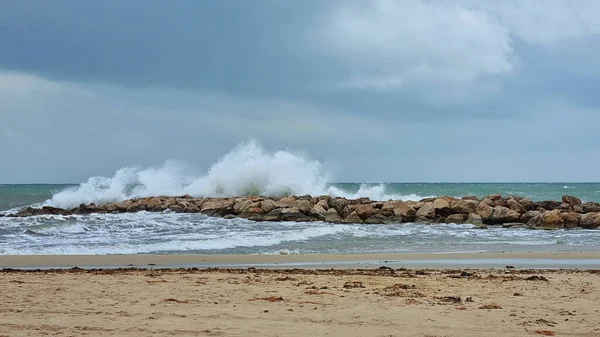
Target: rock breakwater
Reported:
[(509, 211)]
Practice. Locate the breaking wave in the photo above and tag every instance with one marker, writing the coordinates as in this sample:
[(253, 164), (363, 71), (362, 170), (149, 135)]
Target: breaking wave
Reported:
[(246, 170)]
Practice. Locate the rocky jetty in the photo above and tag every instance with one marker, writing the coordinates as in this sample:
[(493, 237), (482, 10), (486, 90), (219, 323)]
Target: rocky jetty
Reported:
[(494, 209)]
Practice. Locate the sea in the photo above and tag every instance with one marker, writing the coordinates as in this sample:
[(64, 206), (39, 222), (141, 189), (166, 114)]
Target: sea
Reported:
[(250, 170)]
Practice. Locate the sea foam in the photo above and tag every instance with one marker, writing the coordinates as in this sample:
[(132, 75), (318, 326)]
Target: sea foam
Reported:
[(246, 170)]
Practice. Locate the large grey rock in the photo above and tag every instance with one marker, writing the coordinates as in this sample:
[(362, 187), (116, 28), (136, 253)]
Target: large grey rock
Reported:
[(318, 212), (426, 212), (590, 220), (571, 200), (571, 219), (332, 216), (399, 209), (502, 215), (456, 218), (441, 207), (548, 220), (516, 206), (529, 215), (303, 205), (464, 206), (353, 218), (590, 207)]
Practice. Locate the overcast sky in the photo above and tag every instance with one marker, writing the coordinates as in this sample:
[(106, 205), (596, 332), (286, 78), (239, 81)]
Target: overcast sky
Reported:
[(406, 90)]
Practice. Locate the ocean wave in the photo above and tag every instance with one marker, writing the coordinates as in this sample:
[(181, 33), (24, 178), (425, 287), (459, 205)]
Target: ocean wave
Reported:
[(246, 170)]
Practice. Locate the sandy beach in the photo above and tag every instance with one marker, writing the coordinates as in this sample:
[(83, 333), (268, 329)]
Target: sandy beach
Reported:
[(297, 302)]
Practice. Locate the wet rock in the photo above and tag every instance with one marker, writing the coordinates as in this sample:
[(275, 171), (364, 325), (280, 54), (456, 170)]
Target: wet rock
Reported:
[(176, 208), (441, 207), (571, 219), (253, 213), (484, 210), (364, 211), (353, 218), (303, 205), (332, 216), (464, 206), (219, 207), (502, 215), (456, 218), (324, 204), (285, 202), (240, 205), (474, 219), (571, 200), (516, 206), (400, 209), (56, 210), (88, 209), (590, 220), (293, 214), (529, 215), (267, 205), (527, 203), (494, 197), (377, 219), (548, 220), (426, 212), (548, 204), (318, 212), (590, 207), (339, 204)]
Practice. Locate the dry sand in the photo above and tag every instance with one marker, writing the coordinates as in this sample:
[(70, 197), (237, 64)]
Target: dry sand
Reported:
[(300, 302)]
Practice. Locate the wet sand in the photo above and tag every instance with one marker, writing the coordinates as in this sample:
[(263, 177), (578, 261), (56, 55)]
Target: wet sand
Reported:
[(586, 259), (300, 302)]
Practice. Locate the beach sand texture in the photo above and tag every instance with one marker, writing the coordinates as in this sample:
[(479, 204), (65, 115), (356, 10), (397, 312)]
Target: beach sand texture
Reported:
[(301, 302)]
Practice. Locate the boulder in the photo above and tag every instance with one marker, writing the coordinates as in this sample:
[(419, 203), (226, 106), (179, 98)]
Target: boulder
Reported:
[(456, 218), (318, 212), (441, 207), (353, 218), (548, 220), (426, 212), (527, 203), (590, 207), (470, 197), (516, 206), (253, 213), (267, 205), (590, 220), (485, 210), (571, 219), (303, 205), (332, 216), (285, 202), (548, 204), (218, 207), (376, 219), (339, 204), (155, 205), (571, 200), (176, 208), (56, 210), (400, 209), (364, 211), (494, 197), (464, 206), (88, 209), (286, 214), (240, 204), (502, 215), (323, 203), (529, 215), (474, 219)]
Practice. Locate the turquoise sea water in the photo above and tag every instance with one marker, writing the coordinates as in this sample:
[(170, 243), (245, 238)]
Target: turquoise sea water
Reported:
[(19, 195)]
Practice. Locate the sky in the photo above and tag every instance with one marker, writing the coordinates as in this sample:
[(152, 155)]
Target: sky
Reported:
[(379, 91)]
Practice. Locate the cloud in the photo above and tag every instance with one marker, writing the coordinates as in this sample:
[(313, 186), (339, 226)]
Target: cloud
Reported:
[(395, 44)]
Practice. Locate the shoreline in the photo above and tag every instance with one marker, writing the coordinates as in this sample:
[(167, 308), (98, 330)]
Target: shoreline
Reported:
[(544, 260)]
